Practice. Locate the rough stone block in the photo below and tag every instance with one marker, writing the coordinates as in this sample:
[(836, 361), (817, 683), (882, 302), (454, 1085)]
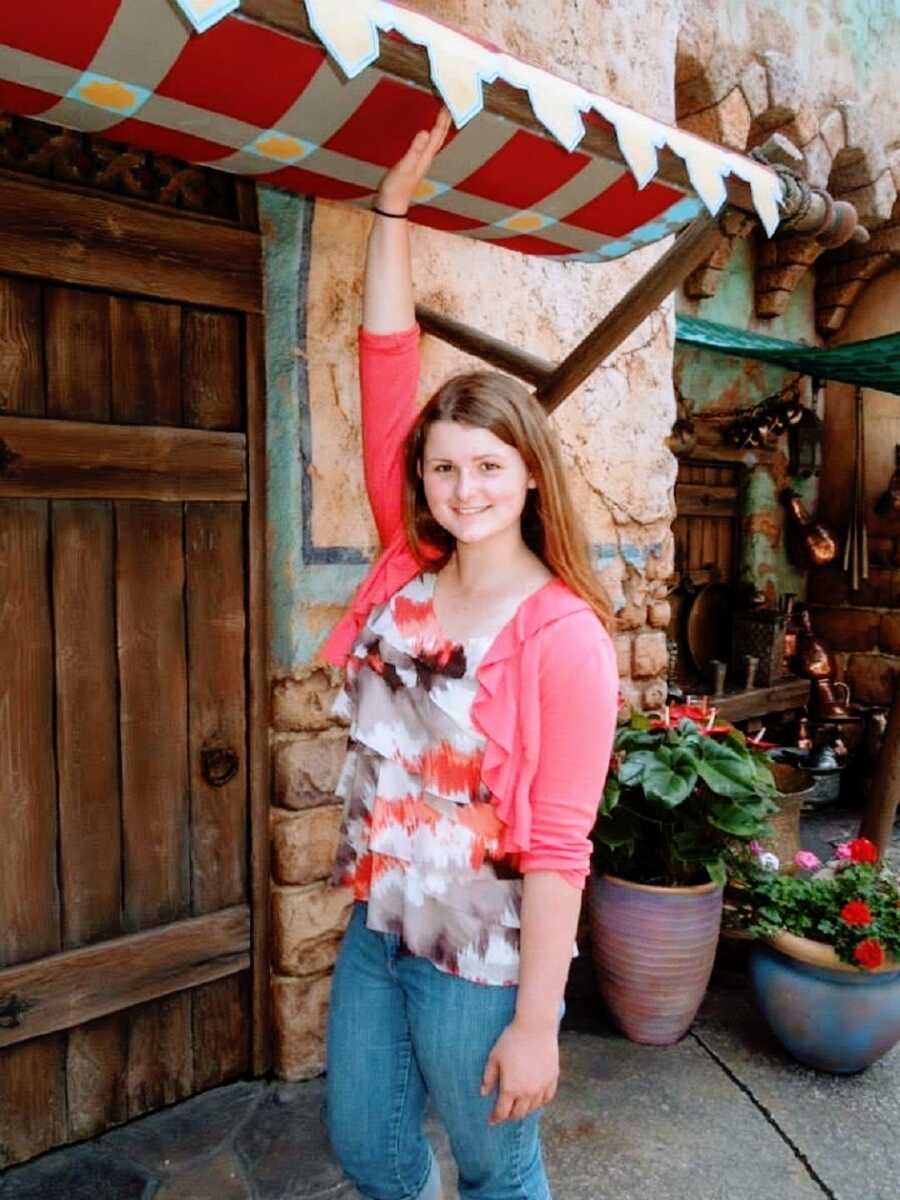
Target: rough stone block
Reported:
[(805, 124), (785, 88), (305, 704), (659, 614), (735, 119), (622, 643), (300, 1013), (304, 843), (631, 698), (862, 137), (307, 927), (630, 616), (649, 654), (755, 87), (818, 161), (872, 678), (306, 769), (832, 129), (889, 634), (704, 124), (654, 696), (847, 628), (875, 201)]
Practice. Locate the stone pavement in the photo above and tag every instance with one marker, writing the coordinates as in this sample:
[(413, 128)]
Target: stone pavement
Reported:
[(725, 1114)]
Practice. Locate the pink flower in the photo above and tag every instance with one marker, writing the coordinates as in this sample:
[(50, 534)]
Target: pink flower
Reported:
[(843, 850), (756, 849), (806, 860)]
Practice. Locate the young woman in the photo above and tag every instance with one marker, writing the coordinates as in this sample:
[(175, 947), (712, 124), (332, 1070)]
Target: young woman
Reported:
[(481, 689)]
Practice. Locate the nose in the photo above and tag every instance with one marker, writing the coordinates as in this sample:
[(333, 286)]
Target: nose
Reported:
[(465, 485)]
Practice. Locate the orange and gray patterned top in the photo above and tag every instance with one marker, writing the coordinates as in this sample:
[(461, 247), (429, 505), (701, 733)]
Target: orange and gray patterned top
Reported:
[(420, 839)]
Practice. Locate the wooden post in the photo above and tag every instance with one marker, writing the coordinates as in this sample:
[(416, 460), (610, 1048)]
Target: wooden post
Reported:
[(491, 350), (881, 810), (690, 249)]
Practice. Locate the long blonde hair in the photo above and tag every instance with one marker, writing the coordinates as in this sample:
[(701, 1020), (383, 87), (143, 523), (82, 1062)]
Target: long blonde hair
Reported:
[(550, 525)]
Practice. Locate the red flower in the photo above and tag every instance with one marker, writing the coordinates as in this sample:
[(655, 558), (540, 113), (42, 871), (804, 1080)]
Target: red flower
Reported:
[(863, 851), (869, 954), (856, 912)]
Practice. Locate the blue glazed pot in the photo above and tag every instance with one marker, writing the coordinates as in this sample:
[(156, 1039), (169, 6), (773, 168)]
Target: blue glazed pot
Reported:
[(826, 1013)]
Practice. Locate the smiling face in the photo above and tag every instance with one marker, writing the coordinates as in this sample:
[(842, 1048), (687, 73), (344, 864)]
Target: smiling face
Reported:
[(475, 484)]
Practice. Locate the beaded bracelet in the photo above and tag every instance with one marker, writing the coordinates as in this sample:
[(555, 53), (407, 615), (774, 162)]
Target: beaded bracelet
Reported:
[(381, 212)]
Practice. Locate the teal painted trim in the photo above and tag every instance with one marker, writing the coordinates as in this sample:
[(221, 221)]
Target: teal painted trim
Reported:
[(295, 584)]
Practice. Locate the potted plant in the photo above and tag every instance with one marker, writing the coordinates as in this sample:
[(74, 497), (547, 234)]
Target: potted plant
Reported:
[(826, 970), (677, 800)]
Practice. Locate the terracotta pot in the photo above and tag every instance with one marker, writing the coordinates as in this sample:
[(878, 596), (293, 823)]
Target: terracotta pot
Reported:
[(826, 1013), (653, 953)]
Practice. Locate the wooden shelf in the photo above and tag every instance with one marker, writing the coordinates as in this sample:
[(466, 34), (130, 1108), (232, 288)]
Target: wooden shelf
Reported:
[(782, 696)]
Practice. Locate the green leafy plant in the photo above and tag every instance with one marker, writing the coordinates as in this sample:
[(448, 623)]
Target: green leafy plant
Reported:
[(851, 904), (676, 800)]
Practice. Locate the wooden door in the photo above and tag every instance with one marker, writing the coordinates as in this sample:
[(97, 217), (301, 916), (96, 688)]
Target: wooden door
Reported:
[(132, 682)]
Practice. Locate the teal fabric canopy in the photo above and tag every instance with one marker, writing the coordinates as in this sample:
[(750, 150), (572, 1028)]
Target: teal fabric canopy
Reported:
[(874, 363)]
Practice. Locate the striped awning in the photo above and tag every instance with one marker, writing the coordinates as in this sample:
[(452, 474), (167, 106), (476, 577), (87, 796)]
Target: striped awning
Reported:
[(315, 108)]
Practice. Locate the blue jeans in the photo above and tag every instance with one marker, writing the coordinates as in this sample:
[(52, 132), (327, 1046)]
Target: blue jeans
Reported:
[(401, 1031)]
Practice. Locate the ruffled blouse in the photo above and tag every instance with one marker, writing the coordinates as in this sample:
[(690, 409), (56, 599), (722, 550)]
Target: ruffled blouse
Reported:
[(421, 840)]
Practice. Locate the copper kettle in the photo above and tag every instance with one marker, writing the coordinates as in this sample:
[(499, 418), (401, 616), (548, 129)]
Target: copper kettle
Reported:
[(819, 543), (813, 660)]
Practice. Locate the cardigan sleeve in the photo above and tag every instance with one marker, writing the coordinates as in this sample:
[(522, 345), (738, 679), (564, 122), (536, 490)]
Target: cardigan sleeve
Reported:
[(578, 705), (389, 379)]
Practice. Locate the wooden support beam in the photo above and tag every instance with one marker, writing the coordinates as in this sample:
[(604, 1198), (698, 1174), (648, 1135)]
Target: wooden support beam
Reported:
[(491, 350), (689, 249)]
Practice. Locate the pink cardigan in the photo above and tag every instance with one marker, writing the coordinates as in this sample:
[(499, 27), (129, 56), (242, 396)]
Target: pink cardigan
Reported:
[(548, 691)]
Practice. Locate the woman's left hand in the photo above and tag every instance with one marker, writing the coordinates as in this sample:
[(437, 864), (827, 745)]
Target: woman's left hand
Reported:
[(524, 1068)]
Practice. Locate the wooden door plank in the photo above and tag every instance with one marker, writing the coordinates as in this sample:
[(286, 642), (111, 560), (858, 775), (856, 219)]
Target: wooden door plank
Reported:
[(32, 1078), (32, 1098), (76, 329), (146, 360), (153, 712), (212, 364), (21, 347), (212, 387), (155, 786), (63, 990), (87, 722), (702, 499), (221, 1030), (29, 897), (214, 544), (96, 1063), (77, 348), (160, 1055), (75, 459), (95, 241), (145, 370), (258, 711)]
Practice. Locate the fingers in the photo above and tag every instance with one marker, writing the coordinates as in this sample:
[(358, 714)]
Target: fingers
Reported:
[(510, 1107), (491, 1076)]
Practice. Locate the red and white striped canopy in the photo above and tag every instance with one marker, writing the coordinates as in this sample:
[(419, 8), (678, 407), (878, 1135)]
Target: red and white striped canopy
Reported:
[(201, 81)]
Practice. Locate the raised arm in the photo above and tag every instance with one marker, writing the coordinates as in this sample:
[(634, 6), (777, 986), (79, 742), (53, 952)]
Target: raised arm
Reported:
[(387, 293), (389, 356)]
